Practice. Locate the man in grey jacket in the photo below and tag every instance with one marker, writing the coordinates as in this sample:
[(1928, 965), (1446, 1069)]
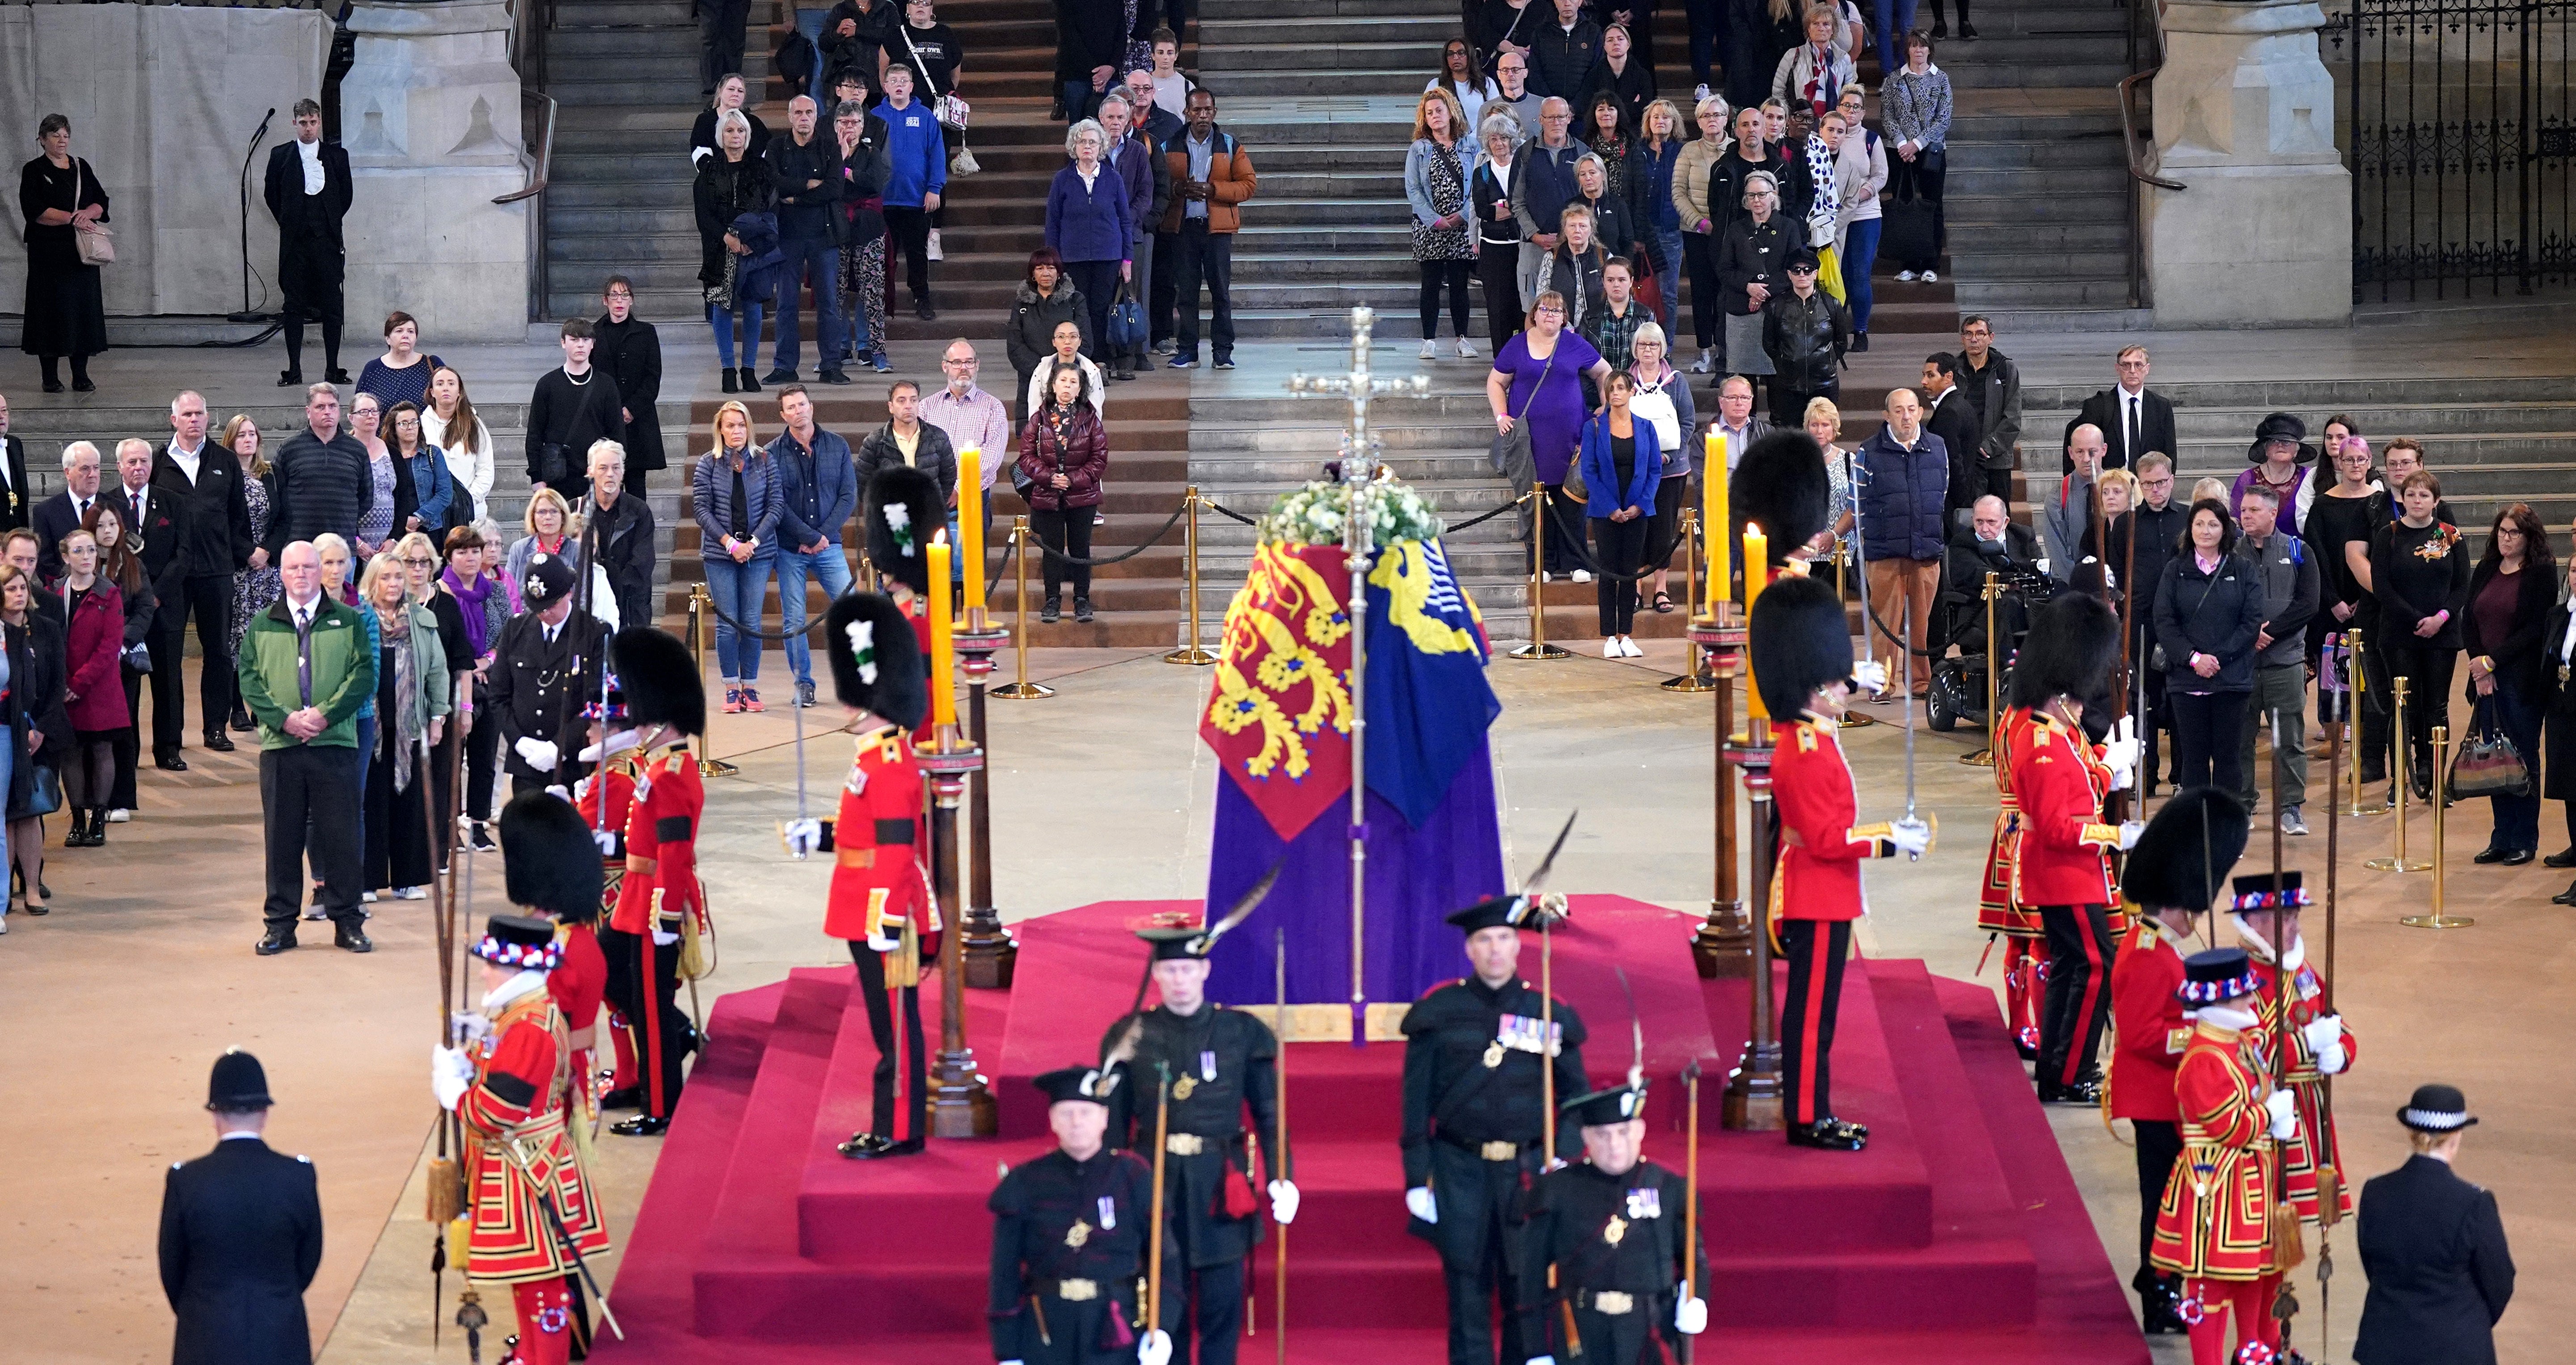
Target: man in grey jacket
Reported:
[(2064, 516), (2288, 573), (1991, 384)]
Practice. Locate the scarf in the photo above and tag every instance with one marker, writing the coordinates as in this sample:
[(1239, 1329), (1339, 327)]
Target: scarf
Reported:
[(1820, 91), (397, 627), (1824, 216), (477, 625)]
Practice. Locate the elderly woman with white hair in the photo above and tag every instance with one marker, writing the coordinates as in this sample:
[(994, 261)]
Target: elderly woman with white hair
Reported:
[(1662, 399), (1752, 266), (1498, 234), (1694, 171), (731, 183), (1091, 224)]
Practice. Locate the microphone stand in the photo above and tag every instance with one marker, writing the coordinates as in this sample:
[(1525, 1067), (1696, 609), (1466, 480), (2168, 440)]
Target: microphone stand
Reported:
[(246, 315)]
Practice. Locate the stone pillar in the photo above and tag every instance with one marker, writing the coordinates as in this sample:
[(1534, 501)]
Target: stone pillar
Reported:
[(430, 115), (2244, 117)]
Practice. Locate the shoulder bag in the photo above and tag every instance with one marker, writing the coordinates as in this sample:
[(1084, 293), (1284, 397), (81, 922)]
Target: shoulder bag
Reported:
[(1511, 454), (2487, 764), (97, 244), (1126, 321), (951, 111)]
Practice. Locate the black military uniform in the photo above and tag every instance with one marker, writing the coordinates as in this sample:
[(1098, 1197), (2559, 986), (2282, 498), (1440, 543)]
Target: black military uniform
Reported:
[(1220, 1061), (1474, 1118), (1068, 1245), (241, 1235), (1615, 1245), (539, 685)]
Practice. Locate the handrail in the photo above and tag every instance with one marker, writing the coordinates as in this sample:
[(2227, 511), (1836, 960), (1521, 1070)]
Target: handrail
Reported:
[(539, 103), (2138, 173)]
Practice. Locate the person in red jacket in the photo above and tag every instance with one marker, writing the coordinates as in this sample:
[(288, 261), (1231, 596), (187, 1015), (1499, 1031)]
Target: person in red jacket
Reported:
[(92, 697), (659, 901), (2171, 877), (1064, 451), (2061, 858), (550, 864), (1997, 913), (2321, 1045), (606, 800), (1802, 664)]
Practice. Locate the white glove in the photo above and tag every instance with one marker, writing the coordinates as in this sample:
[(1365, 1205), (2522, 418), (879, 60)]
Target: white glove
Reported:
[(1690, 1315), (607, 841), (1155, 1349), (803, 838), (2121, 753), (539, 753), (2331, 1060), (884, 943), (2129, 832), (450, 1073), (1911, 837), (2323, 1033), (1542, 1360), (665, 940), (1283, 1202), (1869, 675), (470, 1025), (2284, 1111), (1419, 1203), (582, 788), (559, 789)]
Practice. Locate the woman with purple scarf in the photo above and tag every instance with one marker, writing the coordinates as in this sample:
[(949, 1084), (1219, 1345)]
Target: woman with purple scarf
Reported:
[(484, 602)]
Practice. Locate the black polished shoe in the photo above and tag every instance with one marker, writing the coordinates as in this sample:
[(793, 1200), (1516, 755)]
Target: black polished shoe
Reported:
[(907, 1147), (632, 1097), (276, 941), (241, 722), (1830, 1134), (750, 381), (218, 741), (2082, 1092), (642, 1125), (1967, 31), (2565, 857), (2518, 857), (835, 376), (865, 1146), (729, 383), (2492, 853), (779, 374), (2566, 897), (168, 761), (352, 940), (339, 376), (53, 386), (287, 379)]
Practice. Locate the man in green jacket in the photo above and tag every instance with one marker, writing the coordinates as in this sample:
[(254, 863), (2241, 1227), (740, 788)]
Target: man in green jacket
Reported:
[(305, 670)]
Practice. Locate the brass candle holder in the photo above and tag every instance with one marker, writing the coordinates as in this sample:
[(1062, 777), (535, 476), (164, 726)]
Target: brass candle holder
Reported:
[(991, 952), (961, 1104)]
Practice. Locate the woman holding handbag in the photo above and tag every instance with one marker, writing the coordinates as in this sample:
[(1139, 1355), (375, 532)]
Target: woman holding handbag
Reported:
[(39, 731), (1536, 392), (2511, 593), (92, 700), (66, 211)]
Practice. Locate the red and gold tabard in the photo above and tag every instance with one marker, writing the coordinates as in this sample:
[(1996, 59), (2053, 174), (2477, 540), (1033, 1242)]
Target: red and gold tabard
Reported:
[(2214, 1222), (517, 1149), (1996, 911), (660, 887), (608, 802), (2148, 1024), (579, 987), (1820, 846), (2316, 1136), (878, 842), (2062, 855)]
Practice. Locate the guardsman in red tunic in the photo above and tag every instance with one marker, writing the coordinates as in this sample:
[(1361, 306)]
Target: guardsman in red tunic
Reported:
[(2017, 925), (2214, 1225), (1802, 662), (659, 901), (2062, 855), (534, 1224), (2321, 1045), (906, 511), (606, 800), (2172, 876)]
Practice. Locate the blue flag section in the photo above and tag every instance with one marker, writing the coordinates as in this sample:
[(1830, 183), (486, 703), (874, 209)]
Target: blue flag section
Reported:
[(1428, 703)]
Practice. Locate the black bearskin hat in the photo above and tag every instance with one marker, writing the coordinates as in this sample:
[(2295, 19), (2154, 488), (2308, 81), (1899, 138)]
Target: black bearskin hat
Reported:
[(548, 860), (1800, 641), (905, 514), (2072, 644), (2184, 856), (661, 682), (1780, 485), (876, 659)]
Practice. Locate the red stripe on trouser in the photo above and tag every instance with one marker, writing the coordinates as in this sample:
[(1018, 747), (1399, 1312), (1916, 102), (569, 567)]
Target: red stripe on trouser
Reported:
[(621, 1031), (1820, 938), (649, 995), (902, 1007), (545, 1321), (2078, 1051)]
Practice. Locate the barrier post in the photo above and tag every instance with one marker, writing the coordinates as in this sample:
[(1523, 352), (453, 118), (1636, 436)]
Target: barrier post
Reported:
[(991, 952), (2402, 755), (2438, 920), (1022, 689), (1538, 649), (1702, 677), (701, 603), (1191, 653)]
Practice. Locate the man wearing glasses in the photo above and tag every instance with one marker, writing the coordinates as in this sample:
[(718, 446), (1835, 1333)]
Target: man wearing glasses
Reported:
[(971, 417), (1512, 74), (1547, 186), (2157, 526)]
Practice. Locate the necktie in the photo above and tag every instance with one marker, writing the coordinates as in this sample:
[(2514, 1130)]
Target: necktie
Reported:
[(2130, 450), (304, 654)]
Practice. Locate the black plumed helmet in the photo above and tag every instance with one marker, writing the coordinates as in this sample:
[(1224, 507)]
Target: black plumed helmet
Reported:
[(905, 513), (548, 860), (876, 659), (2182, 859), (1780, 485), (660, 680), (2072, 643), (1800, 641)]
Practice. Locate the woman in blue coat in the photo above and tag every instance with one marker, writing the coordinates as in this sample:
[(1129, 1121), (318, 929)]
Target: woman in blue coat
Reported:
[(1089, 222), (1621, 469)]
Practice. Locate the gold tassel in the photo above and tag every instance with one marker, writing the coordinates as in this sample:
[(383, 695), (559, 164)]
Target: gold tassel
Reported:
[(446, 1189), (2289, 1245), (2329, 1196), (460, 1237)]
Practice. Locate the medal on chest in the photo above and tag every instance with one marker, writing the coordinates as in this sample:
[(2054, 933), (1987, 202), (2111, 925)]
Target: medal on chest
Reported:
[(1078, 1234), (1521, 1033), (1187, 1084), (1108, 1214), (1645, 1203), (1617, 1230)]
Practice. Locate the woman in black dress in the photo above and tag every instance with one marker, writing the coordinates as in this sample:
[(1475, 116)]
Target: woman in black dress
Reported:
[(61, 197)]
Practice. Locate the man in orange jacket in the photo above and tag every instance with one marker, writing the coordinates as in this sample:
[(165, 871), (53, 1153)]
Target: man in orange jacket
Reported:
[(1212, 177)]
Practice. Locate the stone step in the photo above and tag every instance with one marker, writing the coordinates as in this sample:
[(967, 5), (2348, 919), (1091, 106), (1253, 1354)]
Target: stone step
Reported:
[(2050, 290), (1224, 63), (1272, 26), (575, 47), (2111, 179), (1983, 155), (2094, 74), (1398, 80), (2054, 265), (572, 16), (2105, 320), (2043, 206)]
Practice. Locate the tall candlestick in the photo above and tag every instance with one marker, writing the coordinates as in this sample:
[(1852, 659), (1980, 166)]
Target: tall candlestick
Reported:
[(943, 647), (1757, 569), (1713, 473), (970, 523)]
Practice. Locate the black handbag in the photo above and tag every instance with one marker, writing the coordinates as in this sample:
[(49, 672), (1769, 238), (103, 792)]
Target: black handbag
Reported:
[(44, 792), (2486, 763), (1907, 231)]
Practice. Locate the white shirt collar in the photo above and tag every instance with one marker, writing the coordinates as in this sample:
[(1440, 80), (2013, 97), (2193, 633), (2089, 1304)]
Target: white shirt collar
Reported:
[(240, 1133), (528, 982), (2227, 1017)]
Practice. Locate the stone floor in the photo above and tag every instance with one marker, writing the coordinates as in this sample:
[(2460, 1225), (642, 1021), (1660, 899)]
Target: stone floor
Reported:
[(1100, 792)]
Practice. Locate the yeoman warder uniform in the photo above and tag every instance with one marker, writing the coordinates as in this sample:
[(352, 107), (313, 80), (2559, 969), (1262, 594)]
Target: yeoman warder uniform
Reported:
[(1612, 1242), (659, 902), (1069, 1245), (2321, 1044), (550, 861), (241, 1235)]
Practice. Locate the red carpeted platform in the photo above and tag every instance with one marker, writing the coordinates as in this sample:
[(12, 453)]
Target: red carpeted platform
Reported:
[(1957, 1235)]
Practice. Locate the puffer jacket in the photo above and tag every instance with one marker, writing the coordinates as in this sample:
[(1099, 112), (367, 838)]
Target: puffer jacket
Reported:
[(1901, 494), (726, 190), (1805, 339), (1082, 457), (1690, 183), (1030, 337), (2216, 614)]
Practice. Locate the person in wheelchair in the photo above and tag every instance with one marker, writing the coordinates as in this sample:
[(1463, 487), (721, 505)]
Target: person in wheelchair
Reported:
[(1990, 543)]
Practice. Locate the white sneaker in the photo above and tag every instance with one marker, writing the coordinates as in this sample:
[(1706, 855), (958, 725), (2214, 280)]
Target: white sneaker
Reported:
[(1907, 276), (1430, 349), (1610, 649), (1698, 94), (1628, 647), (1582, 575), (1707, 359), (119, 816), (1931, 277), (367, 897), (411, 893), (1466, 349)]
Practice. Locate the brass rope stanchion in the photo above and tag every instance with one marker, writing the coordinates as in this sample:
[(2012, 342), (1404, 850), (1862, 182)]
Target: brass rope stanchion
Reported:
[(1538, 649), (1191, 653), (2437, 920), (1985, 757), (2361, 803), (2404, 756), (1022, 689), (700, 604), (1701, 678)]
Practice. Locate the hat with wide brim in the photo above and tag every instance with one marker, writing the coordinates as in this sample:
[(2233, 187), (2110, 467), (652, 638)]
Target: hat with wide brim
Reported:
[(2281, 426)]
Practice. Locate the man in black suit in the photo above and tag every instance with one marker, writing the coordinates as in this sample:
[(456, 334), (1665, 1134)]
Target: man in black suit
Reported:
[(205, 480), (156, 523), (241, 1233), (17, 500), (1990, 542), (2433, 1247), (2132, 419), (57, 516), (1950, 418), (308, 191)]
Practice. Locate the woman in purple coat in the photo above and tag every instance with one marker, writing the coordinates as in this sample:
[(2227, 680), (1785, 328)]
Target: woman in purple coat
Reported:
[(1538, 378)]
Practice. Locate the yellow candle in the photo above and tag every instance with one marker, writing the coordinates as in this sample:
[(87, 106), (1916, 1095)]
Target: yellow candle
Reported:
[(970, 521), (1713, 523), (1757, 571), (943, 648)]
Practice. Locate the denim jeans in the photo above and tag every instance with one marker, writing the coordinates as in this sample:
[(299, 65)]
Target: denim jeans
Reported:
[(813, 258), (1667, 243), (738, 590), (722, 322), (1860, 253), (1895, 17), (827, 564)]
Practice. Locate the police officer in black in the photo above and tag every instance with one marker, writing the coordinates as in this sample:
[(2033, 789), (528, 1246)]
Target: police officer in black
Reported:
[(1612, 1227), (241, 1234), (1218, 1062), (546, 669), (2433, 1246), (1069, 1237), (1475, 1118)]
